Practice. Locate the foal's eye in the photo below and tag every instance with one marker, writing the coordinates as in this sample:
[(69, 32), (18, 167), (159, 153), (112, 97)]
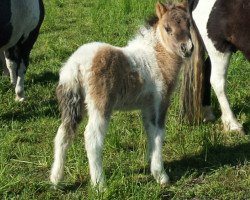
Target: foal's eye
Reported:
[(168, 29)]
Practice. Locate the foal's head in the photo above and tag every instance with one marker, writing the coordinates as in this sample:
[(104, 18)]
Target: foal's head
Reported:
[(174, 24)]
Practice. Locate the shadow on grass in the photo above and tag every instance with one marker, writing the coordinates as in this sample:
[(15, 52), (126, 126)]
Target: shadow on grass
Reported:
[(74, 187), (209, 160), (43, 78), (37, 105), (244, 109), (203, 164), (29, 112)]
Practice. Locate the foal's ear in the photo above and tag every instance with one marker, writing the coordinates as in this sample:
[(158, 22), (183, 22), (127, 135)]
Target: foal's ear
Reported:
[(161, 9), (183, 6)]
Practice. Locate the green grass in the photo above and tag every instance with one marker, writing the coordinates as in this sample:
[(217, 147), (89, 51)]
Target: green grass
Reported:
[(202, 161)]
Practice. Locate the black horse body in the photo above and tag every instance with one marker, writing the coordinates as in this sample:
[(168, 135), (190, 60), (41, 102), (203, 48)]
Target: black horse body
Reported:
[(20, 21)]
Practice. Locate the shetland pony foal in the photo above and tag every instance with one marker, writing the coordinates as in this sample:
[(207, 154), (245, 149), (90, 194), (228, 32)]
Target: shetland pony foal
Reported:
[(140, 75)]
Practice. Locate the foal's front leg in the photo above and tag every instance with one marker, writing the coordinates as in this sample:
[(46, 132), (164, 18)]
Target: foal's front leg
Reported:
[(94, 138), (155, 135)]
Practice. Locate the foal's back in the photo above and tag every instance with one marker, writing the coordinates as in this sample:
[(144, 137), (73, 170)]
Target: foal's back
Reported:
[(112, 75)]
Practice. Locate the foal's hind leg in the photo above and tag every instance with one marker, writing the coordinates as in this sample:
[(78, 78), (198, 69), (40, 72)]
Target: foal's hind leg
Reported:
[(64, 136), (154, 126), (71, 106), (220, 62), (94, 137)]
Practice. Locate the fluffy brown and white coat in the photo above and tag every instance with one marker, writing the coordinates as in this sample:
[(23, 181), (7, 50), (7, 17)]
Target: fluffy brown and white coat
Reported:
[(104, 78)]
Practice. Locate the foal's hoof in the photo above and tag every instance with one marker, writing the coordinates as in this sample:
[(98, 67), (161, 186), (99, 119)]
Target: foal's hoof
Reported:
[(55, 178), (20, 99), (100, 188), (163, 179)]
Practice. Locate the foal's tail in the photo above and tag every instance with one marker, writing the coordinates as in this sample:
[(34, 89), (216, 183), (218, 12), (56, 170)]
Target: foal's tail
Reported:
[(192, 85), (70, 95)]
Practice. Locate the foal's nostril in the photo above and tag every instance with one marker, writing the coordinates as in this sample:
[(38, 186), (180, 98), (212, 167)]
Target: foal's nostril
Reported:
[(183, 47)]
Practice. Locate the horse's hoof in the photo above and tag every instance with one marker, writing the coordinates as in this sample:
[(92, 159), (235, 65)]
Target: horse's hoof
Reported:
[(208, 118), (208, 114), (242, 131), (237, 127), (239, 130)]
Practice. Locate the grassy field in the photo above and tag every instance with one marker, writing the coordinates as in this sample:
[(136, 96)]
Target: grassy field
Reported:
[(203, 162)]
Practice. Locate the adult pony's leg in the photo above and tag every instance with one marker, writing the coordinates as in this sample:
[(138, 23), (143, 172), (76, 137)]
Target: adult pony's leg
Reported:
[(12, 66), (3, 64), (153, 123), (220, 62), (19, 89), (17, 69), (94, 137), (25, 49), (206, 102)]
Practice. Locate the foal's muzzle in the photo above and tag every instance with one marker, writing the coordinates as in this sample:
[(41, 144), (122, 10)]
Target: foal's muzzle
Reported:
[(186, 49)]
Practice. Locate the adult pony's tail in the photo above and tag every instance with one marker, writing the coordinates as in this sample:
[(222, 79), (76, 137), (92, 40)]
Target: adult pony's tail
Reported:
[(70, 95), (192, 83)]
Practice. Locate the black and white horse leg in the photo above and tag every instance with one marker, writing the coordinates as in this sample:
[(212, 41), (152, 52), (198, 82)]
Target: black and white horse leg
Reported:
[(25, 48), (154, 126), (220, 62), (19, 89), (3, 64), (17, 68), (12, 65), (206, 102)]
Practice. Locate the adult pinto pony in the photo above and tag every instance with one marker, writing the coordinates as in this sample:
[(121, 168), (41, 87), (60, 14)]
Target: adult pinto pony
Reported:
[(104, 78), (222, 26), (20, 21)]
